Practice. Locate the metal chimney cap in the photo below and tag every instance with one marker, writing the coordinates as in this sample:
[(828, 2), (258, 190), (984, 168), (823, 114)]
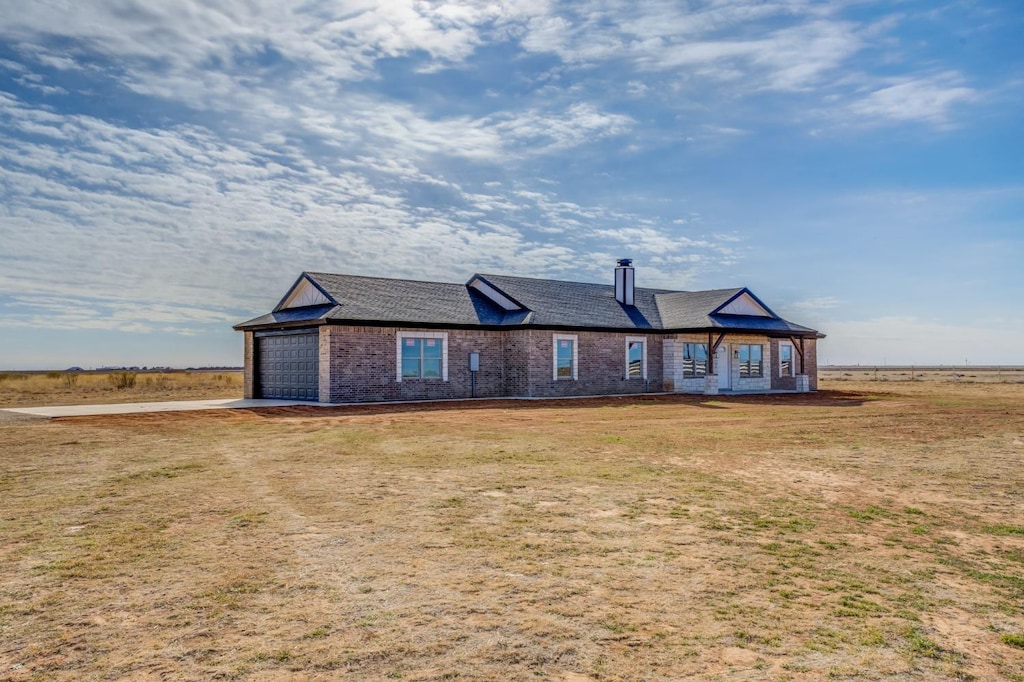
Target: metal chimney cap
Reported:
[(625, 262)]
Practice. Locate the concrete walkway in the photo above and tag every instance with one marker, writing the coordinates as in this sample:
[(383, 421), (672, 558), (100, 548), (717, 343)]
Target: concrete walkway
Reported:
[(142, 408)]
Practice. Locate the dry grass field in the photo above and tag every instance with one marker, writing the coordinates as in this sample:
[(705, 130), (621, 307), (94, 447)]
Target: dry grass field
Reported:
[(25, 389), (967, 374), (869, 531)]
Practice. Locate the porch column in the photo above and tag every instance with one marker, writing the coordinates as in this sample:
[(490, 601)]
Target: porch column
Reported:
[(803, 382), (710, 378)]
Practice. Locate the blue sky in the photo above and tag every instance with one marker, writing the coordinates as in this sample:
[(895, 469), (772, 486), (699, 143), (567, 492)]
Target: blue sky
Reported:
[(168, 169)]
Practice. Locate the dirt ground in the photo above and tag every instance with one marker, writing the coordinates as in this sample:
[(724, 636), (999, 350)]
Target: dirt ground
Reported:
[(872, 532)]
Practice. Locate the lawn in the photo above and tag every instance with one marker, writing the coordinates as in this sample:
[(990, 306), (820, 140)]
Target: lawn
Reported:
[(874, 531)]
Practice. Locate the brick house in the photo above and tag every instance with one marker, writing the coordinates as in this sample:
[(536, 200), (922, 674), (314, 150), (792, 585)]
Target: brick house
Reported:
[(344, 338)]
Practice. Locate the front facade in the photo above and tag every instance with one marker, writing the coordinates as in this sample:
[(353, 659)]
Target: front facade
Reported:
[(342, 338)]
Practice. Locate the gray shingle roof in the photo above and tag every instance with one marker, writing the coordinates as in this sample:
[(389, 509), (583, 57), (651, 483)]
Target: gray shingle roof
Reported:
[(578, 304), (547, 304)]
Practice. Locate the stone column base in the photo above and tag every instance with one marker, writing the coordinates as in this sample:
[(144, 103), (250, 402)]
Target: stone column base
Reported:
[(803, 383), (711, 384)]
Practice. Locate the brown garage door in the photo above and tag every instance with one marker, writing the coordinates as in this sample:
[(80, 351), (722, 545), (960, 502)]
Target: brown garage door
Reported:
[(289, 366)]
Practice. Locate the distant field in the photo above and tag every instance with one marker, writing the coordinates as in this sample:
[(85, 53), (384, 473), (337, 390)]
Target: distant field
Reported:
[(869, 532), (1009, 374), (29, 389)]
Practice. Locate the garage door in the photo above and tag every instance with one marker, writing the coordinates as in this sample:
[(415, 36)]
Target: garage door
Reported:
[(289, 366)]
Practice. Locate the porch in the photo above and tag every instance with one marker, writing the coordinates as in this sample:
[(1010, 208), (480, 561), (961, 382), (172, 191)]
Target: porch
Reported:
[(740, 362)]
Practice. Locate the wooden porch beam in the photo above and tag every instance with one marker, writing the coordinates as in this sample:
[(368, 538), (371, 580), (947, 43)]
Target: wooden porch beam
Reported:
[(711, 356), (712, 349), (798, 344)]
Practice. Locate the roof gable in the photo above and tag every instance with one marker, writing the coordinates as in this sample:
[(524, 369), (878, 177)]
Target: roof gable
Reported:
[(744, 303), (304, 293)]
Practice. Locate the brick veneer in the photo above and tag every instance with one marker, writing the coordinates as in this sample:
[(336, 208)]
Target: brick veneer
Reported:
[(358, 364), (248, 379)]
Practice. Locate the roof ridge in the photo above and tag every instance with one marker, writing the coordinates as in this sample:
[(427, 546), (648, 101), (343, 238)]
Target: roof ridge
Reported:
[(383, 279), (572, 281)]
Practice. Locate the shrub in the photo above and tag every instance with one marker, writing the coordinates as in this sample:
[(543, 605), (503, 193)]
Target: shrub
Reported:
[(69, 379), (122, 380), (53, 375)]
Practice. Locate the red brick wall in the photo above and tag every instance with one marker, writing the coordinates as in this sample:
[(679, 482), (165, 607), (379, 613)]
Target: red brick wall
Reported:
[(602, 364), (362, 362), (783, 383), (810, 364)]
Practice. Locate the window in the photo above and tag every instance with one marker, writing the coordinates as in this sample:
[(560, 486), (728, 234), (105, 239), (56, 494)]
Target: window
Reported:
[(422, 355), (695, 359), (566, 358), (750, 360), (636, 357), (785, 360)]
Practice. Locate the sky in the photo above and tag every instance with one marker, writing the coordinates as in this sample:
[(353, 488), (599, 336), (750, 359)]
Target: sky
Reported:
[(168, 169)]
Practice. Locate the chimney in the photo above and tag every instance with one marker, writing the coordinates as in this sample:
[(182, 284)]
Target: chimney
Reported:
[(624, 281)]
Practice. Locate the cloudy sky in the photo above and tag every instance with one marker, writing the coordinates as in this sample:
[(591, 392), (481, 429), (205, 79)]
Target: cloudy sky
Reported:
[(168, 168)]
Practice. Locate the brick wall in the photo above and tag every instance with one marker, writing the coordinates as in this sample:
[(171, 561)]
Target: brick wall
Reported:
[(248, 376), (359, 364), (787, 383), (601, 366), (811, 362), (324, 362)]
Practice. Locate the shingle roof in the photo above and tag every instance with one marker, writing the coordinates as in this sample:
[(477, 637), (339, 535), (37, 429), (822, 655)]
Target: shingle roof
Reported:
[(578, 304), (545, 303)]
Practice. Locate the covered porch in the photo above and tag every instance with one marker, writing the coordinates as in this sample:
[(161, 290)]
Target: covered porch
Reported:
[(741, 362)]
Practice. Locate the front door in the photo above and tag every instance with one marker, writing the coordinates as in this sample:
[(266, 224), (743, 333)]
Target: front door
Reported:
[(722, 366)]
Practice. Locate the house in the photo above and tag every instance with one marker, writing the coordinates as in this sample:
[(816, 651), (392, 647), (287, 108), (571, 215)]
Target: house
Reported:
[(346, 338)]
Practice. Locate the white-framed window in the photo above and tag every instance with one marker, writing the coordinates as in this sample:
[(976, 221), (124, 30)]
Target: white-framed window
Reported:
[(565, 356), (786, 365), (421, 355), (695, 359), (636, 357), (750, 360)]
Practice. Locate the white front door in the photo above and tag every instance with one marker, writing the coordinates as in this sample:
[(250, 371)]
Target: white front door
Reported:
[(722, 368)]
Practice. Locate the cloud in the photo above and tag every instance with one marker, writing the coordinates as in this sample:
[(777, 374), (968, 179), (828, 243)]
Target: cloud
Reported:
[(816, 304), (928, 100), (661, 36), (161, 219)]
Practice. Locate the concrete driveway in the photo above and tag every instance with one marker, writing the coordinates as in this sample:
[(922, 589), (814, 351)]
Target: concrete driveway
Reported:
[(142, 408)]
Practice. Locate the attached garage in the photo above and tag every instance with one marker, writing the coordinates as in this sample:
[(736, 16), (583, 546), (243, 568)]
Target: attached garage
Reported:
[(289, 366)]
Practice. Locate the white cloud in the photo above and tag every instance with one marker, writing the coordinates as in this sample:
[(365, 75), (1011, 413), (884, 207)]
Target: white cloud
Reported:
[(816, 304), (928, 100), (164, 219)]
